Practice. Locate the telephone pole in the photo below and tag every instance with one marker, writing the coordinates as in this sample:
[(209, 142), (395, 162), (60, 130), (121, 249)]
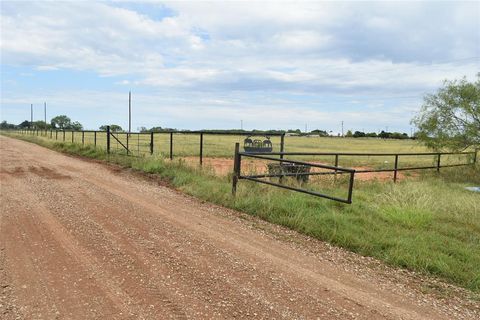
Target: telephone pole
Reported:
[(342, 128), (129, 111), (241, 124)]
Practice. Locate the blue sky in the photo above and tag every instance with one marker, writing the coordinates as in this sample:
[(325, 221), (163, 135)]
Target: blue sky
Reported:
[(199, 65)]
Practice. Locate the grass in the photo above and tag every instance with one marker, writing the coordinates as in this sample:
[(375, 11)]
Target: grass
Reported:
[(219, 146), (429, 224)]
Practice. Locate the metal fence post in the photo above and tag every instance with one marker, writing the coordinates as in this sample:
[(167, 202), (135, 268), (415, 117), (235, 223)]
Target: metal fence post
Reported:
[(336, 165), (438, 162), (396, 169), (236, 169), (282, 144), (151, 142), (171, 145), (350, 187), (128, 134), (201, 148), (108, 139)]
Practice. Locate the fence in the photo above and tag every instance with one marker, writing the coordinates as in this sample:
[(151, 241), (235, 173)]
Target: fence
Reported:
[(144, 143), (237, 169), (334, 169)]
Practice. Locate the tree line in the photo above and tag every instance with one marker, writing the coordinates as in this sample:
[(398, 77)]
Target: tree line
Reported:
[(61, 122), (448, 120)]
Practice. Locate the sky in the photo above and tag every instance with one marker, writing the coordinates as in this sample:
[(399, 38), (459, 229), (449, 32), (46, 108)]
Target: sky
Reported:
[(215, 65)]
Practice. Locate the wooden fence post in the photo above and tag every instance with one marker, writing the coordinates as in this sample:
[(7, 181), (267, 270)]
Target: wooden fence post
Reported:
[(438, 162)]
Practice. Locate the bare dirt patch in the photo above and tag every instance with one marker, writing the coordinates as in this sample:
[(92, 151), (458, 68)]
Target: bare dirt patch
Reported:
[(224, 167)]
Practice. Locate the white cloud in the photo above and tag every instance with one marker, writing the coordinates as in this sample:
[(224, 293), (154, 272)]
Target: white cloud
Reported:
[(238, 50)]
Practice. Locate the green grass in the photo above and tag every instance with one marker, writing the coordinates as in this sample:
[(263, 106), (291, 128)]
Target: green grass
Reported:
[(430, 224), (187, 145)]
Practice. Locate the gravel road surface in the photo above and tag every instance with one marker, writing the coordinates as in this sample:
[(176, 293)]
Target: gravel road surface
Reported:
[(85, 240)]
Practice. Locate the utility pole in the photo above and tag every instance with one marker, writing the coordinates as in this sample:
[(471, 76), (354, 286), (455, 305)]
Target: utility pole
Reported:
[(31, 115), (305, 128), (129, 111), (342, 128), (45, 114), (241, 124)]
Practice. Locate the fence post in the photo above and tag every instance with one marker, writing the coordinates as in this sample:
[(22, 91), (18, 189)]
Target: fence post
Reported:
[(151, 142), (83, 137), (336, 165), (108, 139), (94, 138), (56, 134), (128, 134), (51, 134), (282, 144), (73, 137), (201, 148), (350, 187), (236, 169), (396, 169), (171, 145), (438, 162), (63, 135)]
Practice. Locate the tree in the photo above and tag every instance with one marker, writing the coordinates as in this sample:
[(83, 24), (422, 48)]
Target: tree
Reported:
[(6, 125), (450, 118), (76, 126), (41, 125), (358, 134), (113, 128), (65, 123), (349, 134), (24, 124), (61, 122)]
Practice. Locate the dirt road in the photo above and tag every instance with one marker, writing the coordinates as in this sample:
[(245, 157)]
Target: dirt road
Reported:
[(83, 240)]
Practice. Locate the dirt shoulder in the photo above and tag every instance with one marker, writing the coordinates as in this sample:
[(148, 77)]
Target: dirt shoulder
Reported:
[(81, 240)]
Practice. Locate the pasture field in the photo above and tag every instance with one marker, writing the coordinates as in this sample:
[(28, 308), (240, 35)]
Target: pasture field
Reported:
[(222, 146), (428, 223)]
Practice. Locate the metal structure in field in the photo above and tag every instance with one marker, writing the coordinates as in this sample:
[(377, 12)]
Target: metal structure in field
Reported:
[(301, 170), (139, 143)]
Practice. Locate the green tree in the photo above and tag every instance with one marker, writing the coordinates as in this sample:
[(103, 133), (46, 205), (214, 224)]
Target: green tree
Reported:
[(76, 126), (450, 118), (24, 124), (349, 134), (61, 122), (41, 125), (113, 128), (6, 125)]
